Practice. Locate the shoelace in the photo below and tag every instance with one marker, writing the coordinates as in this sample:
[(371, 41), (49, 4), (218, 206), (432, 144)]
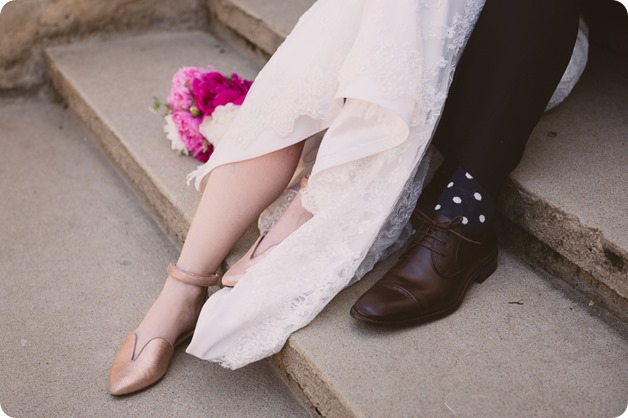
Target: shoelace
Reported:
[(434, 227)]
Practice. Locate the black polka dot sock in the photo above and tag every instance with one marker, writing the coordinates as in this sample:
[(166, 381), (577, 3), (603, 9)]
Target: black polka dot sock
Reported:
[(463, 196)]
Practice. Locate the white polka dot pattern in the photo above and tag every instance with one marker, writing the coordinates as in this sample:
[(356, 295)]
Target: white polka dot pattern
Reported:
[(464, 198)]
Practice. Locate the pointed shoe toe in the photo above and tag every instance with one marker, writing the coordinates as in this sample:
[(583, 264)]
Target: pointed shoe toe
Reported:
[(131, 373)]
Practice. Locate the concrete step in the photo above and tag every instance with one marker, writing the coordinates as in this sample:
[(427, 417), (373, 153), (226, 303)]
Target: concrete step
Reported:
[(567, 199), (551, 355), (569, 192), (263, 25), (80, 263), (132, 137)]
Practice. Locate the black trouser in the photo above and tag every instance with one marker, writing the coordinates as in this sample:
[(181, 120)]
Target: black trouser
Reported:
[(507, 73)]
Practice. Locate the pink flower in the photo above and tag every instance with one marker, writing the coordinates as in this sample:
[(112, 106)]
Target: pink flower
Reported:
[(181, 92), (188, 128), (195, 93)]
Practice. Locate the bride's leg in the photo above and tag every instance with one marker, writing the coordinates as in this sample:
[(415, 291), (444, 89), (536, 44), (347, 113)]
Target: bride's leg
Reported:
[(234, 195)]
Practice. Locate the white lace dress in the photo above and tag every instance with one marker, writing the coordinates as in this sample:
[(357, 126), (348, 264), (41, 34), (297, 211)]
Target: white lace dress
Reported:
[(393, 63)]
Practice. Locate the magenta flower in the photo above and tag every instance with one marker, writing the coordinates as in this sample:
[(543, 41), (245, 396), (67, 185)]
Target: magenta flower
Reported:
[(195, 94), (214, 89), (180, 96)]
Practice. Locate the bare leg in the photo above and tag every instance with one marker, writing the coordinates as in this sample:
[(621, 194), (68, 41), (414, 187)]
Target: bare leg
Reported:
[(234, 195)]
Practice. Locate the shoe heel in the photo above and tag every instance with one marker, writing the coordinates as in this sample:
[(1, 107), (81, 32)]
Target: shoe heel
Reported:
[(486, 270)]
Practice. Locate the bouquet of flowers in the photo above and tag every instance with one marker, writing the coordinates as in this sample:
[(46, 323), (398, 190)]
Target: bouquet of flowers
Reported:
[(200, 99)]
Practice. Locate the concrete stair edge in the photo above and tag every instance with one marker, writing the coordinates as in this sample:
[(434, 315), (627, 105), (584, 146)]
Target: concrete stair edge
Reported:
[(168, 215), (246, 25), (303, 375), (562, 245)]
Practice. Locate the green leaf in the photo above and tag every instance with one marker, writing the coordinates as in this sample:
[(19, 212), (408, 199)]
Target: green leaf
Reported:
[(156, 104), (516, 302)]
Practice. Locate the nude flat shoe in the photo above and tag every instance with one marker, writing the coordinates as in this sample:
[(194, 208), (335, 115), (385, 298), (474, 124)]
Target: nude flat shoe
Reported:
[(235, 273), (134, 370)]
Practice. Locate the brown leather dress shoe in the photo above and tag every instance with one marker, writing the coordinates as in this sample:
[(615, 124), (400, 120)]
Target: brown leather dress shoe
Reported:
[(431, 279)]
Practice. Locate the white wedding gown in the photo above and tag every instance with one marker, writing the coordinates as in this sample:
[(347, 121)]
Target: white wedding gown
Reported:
[(375, 74)]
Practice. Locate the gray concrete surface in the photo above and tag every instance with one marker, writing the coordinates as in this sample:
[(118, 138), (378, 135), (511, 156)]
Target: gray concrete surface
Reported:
[(553, 355), (28, 26), (80, 263), (264, 24), (570, 188), (113, 100)]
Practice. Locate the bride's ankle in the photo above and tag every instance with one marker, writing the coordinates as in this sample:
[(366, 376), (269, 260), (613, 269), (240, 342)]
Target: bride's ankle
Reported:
[(175, 311), (184, 291)]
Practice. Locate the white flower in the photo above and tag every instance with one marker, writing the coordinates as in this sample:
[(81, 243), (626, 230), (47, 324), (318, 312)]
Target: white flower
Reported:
[(215, 127), (173, 135)]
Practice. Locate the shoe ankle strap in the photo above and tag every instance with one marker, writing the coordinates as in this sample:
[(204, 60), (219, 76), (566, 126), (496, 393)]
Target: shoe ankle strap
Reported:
[(194, 279)]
